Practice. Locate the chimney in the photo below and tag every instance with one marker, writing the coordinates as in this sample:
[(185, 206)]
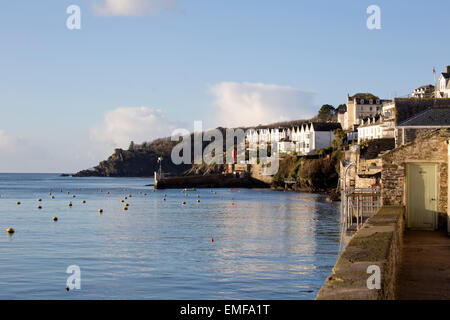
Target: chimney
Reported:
[(447, 70)]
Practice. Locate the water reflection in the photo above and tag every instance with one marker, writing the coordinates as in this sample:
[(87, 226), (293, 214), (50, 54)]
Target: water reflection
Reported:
[(268, 245)]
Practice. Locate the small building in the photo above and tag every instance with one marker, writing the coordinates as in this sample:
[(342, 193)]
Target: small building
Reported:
[(415, 175)]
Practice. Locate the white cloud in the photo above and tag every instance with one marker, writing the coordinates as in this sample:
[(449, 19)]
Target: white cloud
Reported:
[(122, 125), (18, 154), (133, 7), (248, 104)]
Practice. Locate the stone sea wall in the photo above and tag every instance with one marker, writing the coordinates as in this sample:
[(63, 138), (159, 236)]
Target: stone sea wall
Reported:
[(378, 243)]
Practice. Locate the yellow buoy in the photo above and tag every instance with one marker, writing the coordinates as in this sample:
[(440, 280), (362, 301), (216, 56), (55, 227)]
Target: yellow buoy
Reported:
[(122, 201), (84, 201), (126, 197), (18, 202), (164, 199), (127, 204), (186, 194), (130, 196), (198, 201), (53, 197), (183, 203), (145, 194), (73, 196), (70, 204), (39, 199), (55, 219), (39, 207), (125, 208), (10, 230), (100, 210)]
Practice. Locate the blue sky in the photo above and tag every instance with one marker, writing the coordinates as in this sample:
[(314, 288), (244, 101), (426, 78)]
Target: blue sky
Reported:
[(64, 93)]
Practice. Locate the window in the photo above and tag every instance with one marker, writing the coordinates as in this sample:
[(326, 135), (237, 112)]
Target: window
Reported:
[(370, 101), (362, 101)]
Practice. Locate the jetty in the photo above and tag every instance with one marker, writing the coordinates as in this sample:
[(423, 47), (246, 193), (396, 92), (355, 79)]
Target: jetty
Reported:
[(209, 181)]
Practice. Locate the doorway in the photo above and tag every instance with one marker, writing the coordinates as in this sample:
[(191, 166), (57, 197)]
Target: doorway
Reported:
[(422, 196)]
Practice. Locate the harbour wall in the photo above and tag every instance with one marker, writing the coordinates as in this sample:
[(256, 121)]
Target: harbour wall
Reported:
[(377, 243), (209, 181)]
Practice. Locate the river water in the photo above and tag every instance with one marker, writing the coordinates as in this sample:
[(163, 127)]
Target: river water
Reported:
[(267, 244)]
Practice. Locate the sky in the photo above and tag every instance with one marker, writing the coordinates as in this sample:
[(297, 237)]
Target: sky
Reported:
[(138, 69)]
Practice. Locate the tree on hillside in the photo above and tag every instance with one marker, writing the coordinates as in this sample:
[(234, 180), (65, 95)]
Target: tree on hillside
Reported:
[(340, 138), (131, 147), (341, 108), (326, 113)]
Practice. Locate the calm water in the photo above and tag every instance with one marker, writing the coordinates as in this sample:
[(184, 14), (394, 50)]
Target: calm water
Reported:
[(269, 245)]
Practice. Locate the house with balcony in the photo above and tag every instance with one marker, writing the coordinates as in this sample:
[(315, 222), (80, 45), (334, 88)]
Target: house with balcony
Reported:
[(422, 92)]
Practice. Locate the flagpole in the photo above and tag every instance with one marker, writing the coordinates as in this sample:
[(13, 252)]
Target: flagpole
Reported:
[(435, 83)]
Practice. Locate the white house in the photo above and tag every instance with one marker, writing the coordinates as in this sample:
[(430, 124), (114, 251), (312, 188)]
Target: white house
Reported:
[(264, 135), (311, 136), (370, 129), (443, 85)]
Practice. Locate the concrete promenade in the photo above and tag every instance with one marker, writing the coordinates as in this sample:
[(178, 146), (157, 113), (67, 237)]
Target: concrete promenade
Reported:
[(424, 270)]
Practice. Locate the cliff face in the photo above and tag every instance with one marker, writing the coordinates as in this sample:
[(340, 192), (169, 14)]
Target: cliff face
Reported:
[(140, 161)]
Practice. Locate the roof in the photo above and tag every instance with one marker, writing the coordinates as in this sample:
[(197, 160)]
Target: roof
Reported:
[(446, 75), (365, 123), (376, 147), (407, 108), (366, 96), (425, 86), (438, 117), (326, 126)]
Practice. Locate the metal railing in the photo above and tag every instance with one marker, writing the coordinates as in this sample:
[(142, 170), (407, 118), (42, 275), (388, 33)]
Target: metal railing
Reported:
[(357, 205)]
